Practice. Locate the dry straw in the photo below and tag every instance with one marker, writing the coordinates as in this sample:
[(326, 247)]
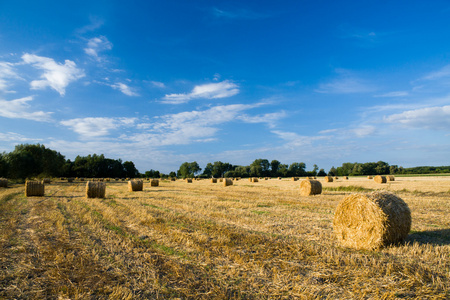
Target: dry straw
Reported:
[(390, 178), (34, 188), (227, 182), (328, 179), (371, 221), (310, 187), (3, 182), (380, 179), (213, 180), (95, 189), (135, 185), (154, 182)]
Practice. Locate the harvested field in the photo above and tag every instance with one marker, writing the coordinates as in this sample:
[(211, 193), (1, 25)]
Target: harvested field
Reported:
[(200, 241)]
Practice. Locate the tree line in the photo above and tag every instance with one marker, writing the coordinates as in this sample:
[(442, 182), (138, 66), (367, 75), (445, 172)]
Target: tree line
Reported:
[(28, 161)]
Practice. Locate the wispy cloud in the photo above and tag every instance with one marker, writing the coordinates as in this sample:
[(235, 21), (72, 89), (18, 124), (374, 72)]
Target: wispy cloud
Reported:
[(7, 72), (96, 127), (19, 109), (269, 118), (222, 89), (55, 75), (16, 137), (158, 84), (96, 45), (124, 89), (393, 94), (434, 118), (346, 83), (442, 73)]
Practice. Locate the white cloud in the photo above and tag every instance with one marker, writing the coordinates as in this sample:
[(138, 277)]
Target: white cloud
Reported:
[(96, 45), (55, 75), (393, 94), (16, 137), (345, 83), (18, 109), (269, 118), (96, 127), (435, 118), (443, 72), (6, 72), (222, 89), (158, 84), (124, 89), (364, 130)]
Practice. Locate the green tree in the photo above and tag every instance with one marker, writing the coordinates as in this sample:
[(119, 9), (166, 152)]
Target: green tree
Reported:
[(130, 169), (188, 170), (260, 167), (297, 169), (274, 166)]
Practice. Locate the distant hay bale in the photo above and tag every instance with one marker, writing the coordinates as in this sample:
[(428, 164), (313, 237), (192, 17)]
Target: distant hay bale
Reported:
[(213, 180), (135, 185), (369, 177), (154, 182), (328, 179), (172, 179), (335, 177), (294, 178), (188, 180), (310, 187), (81, 179), (279, 178), (266, 178), (371, 221), (3, 182), (70, 179), (34, 188), (95, 189), (236, 179), (390, 178), (220, 179), (47, 180), (345, 177), (227, 182), (380, 179), (101, 179), (254, 179)]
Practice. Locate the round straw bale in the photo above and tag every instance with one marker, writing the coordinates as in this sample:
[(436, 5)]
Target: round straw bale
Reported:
[(135, 185), (188, 180), (3, 182), (47, 180), (34, 188), (213, 180), (328, 179), (154, 182), (70, 179), (254, 179), (294, 178), (345, 177), (371, 221), (380, 179), (369, 177), (227, 182), (310, 187), (95, 189), (172, 179), (390, 178)]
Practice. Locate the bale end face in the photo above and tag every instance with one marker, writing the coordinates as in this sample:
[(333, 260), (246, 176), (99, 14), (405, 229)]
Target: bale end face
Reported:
[(371, 221), (154, 182), (34, 188), (95, 189), (310, 187)]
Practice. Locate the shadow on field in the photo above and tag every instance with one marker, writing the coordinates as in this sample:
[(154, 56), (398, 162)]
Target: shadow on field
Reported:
[(435, 237)]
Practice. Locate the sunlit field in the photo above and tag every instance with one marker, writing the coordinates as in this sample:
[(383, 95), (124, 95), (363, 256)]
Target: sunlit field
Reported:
[(202, 240)]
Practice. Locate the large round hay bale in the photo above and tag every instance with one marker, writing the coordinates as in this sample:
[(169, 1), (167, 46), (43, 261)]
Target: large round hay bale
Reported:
[(188, 180), (390, 178), (371, 221), (310, 187), (328, 179), (154, 182), (227, 182), (34, 188), (3, 182), (95, 189), (135, 185), (380, 179), (213, 180)]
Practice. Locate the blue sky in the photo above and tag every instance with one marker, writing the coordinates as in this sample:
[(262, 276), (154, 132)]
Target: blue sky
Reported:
[(164, 82)]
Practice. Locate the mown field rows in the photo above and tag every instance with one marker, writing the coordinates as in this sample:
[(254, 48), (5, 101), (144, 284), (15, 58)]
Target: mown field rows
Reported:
[(205, 241)]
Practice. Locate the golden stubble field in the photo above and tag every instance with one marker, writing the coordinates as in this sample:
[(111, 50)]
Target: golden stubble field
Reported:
[(202, 240)]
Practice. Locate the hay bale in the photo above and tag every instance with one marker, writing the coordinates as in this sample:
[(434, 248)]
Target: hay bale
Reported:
[(95, 189), (172, 179), (371, 221), (70, 179), (369, 177), (34, 188), (390, 178), (135, 185), (380, 179), (81, 179), (345, 177), (154, 182), (336, 177), (188, 180), (254, 179), (294, 178), (310, 187), (213, 180), (328, 179), (227, 182), (3, 182), (47, 180)]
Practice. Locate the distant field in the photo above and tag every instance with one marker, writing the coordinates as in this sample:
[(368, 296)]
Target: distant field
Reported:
[(201, 240)]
